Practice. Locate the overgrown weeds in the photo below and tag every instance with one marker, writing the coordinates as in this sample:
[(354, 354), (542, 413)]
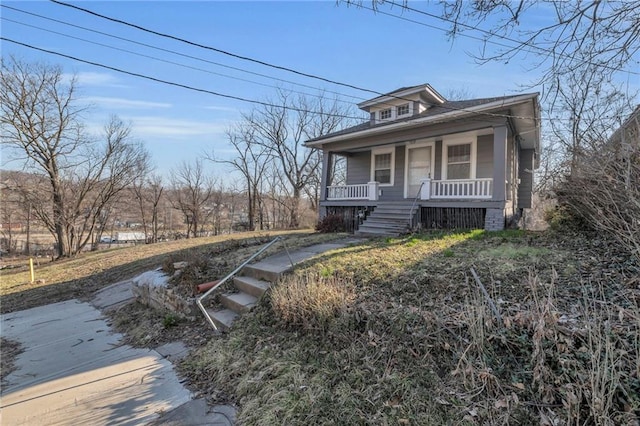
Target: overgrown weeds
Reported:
[(411, 340)]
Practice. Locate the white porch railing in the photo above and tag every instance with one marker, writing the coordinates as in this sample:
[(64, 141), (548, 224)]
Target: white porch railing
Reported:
[(366, 191), (460, 189)]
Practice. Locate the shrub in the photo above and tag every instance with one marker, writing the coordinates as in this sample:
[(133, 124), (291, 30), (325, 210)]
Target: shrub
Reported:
[(331, 223), (309, 301)]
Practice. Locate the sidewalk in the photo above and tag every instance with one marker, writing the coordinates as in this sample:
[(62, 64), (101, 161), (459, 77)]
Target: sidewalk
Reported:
[(75, 370)]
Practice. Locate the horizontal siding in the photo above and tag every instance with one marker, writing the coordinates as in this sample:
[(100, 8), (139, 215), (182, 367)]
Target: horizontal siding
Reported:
[(359, 168), (395, 192), (484, 162), (525, 189)]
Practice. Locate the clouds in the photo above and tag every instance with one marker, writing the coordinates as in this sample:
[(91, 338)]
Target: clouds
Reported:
[(123, 103), (155, 127)]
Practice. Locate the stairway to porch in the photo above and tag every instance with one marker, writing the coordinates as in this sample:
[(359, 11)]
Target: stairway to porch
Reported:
[(255, 279), (390, 219)]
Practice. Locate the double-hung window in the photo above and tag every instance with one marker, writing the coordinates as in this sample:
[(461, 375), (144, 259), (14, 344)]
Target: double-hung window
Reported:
[(459, 161), (382, 166)]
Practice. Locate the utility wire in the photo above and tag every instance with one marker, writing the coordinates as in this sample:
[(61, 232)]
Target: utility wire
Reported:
[(234, 55), (538, 49), (264, 63), (179, 53), (183, 86), (119, 49)]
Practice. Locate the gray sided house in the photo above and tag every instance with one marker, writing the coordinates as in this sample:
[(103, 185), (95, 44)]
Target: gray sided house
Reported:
[(423, 161)]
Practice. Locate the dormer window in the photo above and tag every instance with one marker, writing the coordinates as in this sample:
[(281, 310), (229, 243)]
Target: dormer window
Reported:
[(402, 110), (385, 114)]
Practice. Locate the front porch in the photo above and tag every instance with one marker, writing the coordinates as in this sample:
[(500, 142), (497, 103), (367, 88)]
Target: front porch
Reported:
[(453, 189)]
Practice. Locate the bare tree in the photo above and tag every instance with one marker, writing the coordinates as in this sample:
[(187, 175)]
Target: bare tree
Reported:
[(147, 191), (251, 161), (282, 126), (41, 126), (191, 191)]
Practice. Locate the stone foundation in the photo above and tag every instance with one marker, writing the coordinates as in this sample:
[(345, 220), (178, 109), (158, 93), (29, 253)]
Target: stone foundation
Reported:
[(151, 289), (494, 220)]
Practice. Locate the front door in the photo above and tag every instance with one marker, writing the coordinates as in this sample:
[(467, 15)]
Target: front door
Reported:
[(418, 168)]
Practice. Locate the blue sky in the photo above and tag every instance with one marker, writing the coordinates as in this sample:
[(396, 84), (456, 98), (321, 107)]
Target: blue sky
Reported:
[(346, 44)]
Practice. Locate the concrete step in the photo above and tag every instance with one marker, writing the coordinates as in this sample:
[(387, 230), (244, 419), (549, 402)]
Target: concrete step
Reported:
[(238, 302), (389, 226), (250, 285), (404, 216), (265, 272), (222, 318), (386, 220), (376, 233)]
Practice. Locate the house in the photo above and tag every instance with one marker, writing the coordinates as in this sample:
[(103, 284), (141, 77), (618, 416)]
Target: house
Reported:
[(423, 161)]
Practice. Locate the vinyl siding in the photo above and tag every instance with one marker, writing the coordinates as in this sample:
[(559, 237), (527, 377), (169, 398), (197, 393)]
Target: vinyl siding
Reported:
[(525, 189), (395, 192), (484, 166), (359, 168)]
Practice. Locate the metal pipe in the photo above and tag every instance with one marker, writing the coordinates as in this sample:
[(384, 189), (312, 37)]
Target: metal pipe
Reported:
[(230, 275)]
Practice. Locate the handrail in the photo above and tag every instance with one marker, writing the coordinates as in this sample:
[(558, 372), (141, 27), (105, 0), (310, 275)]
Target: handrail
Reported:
[(235, 271), (415, 201)]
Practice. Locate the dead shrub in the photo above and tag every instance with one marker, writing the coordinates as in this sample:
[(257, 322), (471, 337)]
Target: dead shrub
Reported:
[(604, 190), (309, 300)]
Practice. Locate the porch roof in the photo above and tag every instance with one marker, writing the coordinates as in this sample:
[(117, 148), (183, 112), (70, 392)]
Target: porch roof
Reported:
[(447, 111)]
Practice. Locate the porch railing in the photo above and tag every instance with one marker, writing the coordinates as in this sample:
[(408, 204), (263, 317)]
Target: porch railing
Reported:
[(462, 189), (365, 191)]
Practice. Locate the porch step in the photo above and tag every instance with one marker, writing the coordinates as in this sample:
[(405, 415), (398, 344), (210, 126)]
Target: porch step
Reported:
[(388, 219), (238, 302), (222, 318), (250, 285)]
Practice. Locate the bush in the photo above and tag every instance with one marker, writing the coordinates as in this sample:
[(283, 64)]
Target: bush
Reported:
[(331, 223), (309, 301)]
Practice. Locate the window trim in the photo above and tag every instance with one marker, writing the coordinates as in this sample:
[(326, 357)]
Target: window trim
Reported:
[(418, 144), (380, 151), (408, 105), (390, 110), (460, 139)]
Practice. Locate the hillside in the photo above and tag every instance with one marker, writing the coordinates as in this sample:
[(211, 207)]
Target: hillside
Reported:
[(397, 331)]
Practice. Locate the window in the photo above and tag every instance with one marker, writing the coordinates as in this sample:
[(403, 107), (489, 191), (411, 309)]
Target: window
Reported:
[(382, 166), (385, 114), (459, 161), (403, 110)]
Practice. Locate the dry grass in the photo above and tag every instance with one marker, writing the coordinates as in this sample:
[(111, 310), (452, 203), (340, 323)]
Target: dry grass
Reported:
[(416, 343), (309, 300), (80, 277)]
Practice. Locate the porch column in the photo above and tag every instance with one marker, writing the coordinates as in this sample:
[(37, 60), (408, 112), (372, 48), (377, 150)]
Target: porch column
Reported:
[(499, 163), (425, 190), (327, 159), (374, 187)]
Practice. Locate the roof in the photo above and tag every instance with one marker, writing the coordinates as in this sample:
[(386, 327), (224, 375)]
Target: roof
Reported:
[(431, 94), (446, 110)]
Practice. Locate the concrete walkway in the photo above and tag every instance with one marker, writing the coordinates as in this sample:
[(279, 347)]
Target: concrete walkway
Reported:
[(75, 370)]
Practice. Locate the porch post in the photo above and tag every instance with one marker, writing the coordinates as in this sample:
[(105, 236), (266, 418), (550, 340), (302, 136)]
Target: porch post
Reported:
[(327, 159), (425, 191), (373, 191), (499, 163)]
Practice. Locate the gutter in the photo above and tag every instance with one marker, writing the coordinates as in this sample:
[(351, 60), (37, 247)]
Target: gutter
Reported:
[(431, 119)]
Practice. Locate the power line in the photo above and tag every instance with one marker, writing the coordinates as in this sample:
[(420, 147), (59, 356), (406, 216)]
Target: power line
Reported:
[(234, 55), (179, 53), (183, 86), (154, 58), (119, 21), (489, 33)]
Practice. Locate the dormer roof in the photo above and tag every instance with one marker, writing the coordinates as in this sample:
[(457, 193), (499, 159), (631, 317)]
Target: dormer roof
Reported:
[(422, 92)]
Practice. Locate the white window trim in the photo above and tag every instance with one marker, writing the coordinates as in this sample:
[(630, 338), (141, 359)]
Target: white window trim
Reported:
[(389, 150), (417, 144), (409, 105), (460, 139), (391, 114)]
